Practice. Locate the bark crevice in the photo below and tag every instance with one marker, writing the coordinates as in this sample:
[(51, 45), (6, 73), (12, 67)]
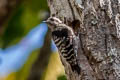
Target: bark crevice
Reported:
[(99, 34)]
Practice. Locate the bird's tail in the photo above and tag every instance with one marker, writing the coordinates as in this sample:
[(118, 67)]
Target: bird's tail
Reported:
[(76, 68)]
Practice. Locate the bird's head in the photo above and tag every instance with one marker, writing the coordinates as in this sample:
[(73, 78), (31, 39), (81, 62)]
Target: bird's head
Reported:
[(52, 22)]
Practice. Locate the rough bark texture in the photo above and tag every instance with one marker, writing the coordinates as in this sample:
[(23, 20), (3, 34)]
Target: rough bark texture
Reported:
[(99, 32)]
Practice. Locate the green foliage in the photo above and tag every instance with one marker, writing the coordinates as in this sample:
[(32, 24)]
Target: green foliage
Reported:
[(24, 18), (37, 5), (24, 72), (62, 77), (15, 28)]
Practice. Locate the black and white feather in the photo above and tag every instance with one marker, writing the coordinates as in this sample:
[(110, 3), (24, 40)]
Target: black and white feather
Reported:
[(65, 40)]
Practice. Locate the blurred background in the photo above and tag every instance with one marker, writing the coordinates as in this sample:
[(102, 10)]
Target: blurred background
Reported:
[(26, 49)]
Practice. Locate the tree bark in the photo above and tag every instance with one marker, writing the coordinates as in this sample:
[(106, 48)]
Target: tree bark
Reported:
[(99, 36)]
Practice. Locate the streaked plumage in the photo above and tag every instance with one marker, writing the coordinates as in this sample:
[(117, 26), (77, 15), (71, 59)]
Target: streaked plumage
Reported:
[(65, 40)]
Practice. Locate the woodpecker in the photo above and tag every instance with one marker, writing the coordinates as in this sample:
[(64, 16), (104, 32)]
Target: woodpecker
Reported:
[(65, 40)]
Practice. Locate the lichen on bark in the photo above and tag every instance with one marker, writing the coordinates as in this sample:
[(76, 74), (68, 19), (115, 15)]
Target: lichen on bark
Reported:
[(99, 32)]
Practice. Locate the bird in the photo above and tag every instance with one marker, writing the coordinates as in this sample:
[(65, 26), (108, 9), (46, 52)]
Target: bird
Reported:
[(65, 40)]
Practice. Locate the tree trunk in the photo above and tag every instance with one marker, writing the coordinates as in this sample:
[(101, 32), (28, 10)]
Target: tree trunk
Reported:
[(99, 36)]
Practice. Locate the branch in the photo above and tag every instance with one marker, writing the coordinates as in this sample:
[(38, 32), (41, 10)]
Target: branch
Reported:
[(41, 63)]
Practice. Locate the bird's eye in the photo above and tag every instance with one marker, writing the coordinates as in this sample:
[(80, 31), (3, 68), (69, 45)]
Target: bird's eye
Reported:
[(52, 19)]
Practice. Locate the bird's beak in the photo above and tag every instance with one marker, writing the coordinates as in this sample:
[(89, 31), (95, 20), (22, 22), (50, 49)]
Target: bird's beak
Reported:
[(44, 21)]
